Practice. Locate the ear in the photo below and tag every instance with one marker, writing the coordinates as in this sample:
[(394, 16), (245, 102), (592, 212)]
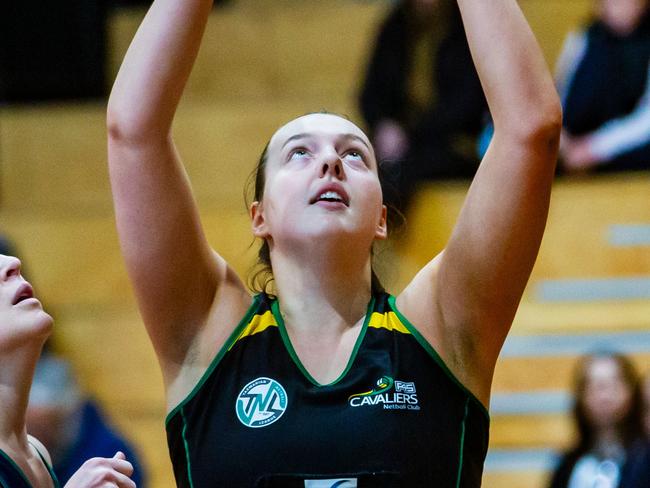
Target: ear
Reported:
[(258, 223), (381, 232)]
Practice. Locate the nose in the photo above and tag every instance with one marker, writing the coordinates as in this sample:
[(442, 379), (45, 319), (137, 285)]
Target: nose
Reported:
[(332, 166), (9, 267)]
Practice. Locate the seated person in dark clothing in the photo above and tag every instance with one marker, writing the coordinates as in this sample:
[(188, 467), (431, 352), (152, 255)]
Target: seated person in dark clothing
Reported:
[(72, 426), (603, 78), (421, 97), (611, 451), (646, 405)]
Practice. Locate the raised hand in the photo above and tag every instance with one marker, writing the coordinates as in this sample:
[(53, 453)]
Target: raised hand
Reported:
[(99, 472)]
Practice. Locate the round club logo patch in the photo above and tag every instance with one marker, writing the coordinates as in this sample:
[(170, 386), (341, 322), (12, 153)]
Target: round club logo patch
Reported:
[(261, 402)]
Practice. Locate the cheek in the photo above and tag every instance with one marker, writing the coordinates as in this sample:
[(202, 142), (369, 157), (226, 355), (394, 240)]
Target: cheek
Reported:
[(283, 194), (373, 194)]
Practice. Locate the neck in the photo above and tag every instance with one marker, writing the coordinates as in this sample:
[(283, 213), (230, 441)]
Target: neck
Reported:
[(608, 442), (16, 373), (332, 282)]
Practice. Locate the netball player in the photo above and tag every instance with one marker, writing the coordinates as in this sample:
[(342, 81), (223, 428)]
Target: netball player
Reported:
[(328, 380), (24, 462)]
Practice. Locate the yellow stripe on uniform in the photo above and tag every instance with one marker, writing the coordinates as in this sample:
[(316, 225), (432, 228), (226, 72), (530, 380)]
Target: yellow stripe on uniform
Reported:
[(388, 321), (259, 323)]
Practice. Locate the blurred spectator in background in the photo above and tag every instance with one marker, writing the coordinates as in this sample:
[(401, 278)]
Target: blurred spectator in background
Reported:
[(421, 97), (611, 451), (53, 51), (603, 78), (57, 54), (70, 424), (646, 405)]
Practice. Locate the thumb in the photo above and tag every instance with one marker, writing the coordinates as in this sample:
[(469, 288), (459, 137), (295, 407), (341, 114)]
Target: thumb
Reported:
[(119, 455)]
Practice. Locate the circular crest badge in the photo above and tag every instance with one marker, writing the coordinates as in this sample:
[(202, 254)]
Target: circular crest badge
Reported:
[(261, 402)]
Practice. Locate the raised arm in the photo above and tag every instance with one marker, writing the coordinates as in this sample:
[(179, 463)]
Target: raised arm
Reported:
[(477, 282), (174, 272)]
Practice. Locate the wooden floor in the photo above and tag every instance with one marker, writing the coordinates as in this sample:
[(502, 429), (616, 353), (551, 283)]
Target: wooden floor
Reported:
[(55, 204)]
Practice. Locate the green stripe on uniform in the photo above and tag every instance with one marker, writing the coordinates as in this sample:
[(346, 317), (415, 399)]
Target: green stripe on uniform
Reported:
[(462, 444)]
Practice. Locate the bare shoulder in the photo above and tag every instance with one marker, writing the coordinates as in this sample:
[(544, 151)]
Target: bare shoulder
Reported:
[(231, 301), (230, 304), (419, 303), (40, 448), (417, 300)]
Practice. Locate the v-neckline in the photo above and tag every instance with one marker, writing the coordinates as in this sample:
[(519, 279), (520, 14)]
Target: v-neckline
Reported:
[(275, 309), (19, 470)]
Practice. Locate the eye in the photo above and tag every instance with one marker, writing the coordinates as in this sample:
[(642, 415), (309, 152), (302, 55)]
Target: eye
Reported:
[(298, 153), (354, 157)]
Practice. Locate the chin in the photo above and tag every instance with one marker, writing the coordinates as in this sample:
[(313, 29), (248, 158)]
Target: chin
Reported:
[(43, 324), (333, 233), (32, 330)]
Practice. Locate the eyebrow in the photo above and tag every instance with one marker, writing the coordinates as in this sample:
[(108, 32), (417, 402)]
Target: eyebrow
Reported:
[(344, 136)]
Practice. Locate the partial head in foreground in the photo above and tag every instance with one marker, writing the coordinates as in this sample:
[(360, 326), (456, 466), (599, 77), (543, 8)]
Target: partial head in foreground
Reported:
[(22, 318), (317, 181)]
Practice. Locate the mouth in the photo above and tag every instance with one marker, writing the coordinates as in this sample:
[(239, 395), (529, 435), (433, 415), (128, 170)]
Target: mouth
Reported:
[(331, 195), (25, 292)]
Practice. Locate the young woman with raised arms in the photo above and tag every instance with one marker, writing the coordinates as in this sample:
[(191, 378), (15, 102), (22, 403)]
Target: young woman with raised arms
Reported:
[(328, 378)]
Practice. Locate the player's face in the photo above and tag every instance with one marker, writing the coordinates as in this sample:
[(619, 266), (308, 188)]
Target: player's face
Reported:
[(607, 396), (21, 314), (622, 15), (321, 179)]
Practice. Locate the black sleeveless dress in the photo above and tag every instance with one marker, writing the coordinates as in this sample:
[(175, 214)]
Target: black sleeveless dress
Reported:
[(396, 417)]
